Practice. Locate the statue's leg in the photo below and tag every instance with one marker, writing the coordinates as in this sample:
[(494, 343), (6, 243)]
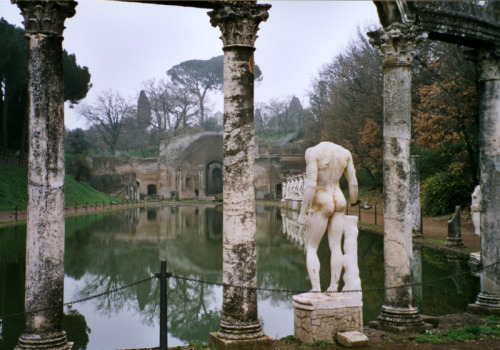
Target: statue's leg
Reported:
[(315, 229), (335, 230)]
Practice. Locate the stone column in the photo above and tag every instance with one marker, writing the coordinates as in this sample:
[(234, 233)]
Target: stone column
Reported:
[(44, 23), (416, 212), (397, 43), (488, 300), (201, 176), (179, 183), (240, 327)]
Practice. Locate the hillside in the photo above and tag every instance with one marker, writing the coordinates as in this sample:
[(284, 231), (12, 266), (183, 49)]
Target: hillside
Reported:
[(14, 190)]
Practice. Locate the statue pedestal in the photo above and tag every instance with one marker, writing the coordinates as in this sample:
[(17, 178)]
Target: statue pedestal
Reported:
[(319, 316)]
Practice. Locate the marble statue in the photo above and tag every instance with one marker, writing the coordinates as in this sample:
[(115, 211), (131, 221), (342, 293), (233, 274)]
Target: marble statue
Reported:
[(475, 209), (323, 208)]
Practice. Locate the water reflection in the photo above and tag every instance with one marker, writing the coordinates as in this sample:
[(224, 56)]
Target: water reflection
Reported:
[(114, 250)]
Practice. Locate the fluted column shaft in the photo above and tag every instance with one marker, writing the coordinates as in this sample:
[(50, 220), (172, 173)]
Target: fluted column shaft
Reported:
[(239, 24), (44, 23), (489, 161)]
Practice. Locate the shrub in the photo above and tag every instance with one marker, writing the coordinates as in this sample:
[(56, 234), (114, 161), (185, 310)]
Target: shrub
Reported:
[(79, 167), (445, 190)]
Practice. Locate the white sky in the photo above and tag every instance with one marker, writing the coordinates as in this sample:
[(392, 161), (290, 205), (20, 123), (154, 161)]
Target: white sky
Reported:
[(124, 44)]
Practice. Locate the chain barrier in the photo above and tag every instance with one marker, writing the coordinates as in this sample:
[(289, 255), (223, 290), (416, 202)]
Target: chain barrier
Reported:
[(111, 291), (259, 289), (298, 291)]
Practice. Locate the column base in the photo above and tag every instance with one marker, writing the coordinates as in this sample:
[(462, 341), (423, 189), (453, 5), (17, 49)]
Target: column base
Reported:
[(454, 242), (486, 304), (400, 320), (244, 337), (55, 341), (416, 234)]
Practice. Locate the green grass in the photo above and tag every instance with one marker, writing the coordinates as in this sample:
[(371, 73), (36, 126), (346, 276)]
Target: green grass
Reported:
[(14, 190), (490, 330)]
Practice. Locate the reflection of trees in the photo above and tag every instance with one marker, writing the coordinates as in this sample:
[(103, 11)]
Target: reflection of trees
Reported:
[(188, 303), (119, 250), (76, 329)]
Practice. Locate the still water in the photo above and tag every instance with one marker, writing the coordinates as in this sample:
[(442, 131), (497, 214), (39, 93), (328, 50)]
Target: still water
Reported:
[(107, 251)]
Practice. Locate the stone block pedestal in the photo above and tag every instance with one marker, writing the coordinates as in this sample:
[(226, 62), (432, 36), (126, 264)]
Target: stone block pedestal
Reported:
[(320, 316)]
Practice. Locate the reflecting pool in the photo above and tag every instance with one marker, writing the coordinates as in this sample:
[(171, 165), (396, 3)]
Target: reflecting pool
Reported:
[(111, 250)]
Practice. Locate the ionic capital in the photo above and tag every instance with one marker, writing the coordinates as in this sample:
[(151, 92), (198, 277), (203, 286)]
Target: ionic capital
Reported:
[(45, 16), (397, 43), (488, 62), (239, 22)]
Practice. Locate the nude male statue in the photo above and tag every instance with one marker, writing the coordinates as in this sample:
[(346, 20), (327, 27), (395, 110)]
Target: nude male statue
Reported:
[(324, 204)]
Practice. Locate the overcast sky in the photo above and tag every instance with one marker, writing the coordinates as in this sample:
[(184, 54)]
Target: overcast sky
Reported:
[(124, 44)]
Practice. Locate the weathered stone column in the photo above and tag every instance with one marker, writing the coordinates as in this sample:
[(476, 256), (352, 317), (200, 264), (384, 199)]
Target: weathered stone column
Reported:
[(201, 176), (397, 43), (488, 300), (416, 212), (178, 180), (240, 327), (44, 23)]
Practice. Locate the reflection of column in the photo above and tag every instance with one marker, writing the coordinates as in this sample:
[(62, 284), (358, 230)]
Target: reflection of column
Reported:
[(416, 217), (240, 325), (397, 42), (44, 22), (178, 228), (416, 267), (201, 221), (201, 177), (488, 300)]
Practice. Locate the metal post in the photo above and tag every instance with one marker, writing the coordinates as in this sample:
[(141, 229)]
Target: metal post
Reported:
[(75, 208), (359, 212), (347, 208), (16, 212), (375, 214), (102, 205), (163, 276)]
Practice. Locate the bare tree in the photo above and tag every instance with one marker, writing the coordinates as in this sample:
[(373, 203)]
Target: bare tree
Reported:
[(161, 98), (106, 115)]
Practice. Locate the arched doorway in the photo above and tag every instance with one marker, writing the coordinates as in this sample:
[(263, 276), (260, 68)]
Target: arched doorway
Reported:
[(214, 178), (151, 190)]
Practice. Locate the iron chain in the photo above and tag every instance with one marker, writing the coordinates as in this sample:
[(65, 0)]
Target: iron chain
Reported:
[(260, 289)]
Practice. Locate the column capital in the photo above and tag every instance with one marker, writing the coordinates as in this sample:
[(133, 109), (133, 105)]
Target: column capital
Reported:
[(45, 16), (488, 62), (239, 22), (397, 43)]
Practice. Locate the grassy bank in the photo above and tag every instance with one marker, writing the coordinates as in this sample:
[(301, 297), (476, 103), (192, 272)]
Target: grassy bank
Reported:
[(14, 190)]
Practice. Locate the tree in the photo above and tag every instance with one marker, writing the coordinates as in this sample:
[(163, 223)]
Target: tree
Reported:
[(160, 96), (14, 85), (76, 141), (201, 76), (135, 127), (346, 104), (446, 109), (107, 116)]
